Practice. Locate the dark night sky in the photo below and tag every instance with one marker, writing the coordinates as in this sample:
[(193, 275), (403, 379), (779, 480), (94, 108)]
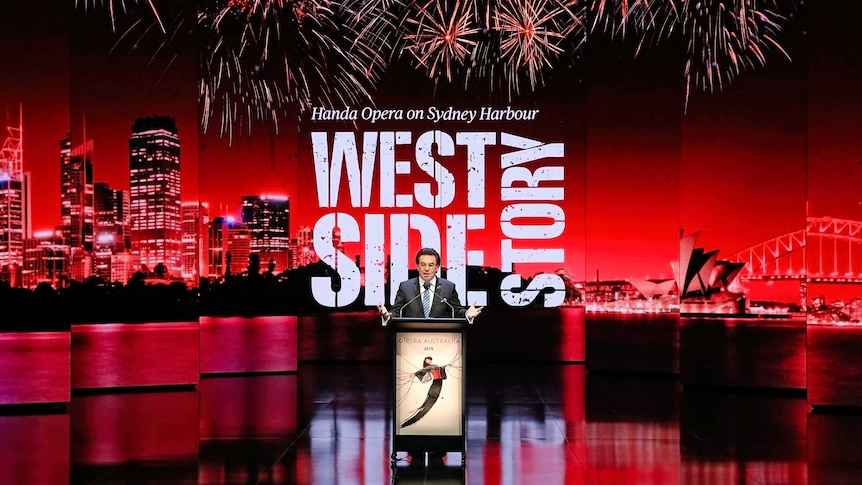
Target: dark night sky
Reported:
[(111, 88), (36, 74), (739, 167)]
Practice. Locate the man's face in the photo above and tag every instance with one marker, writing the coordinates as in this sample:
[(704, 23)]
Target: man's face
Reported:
[(427, 267)]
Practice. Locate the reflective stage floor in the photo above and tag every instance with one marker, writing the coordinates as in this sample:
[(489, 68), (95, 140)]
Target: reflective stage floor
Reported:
[(526, 424)]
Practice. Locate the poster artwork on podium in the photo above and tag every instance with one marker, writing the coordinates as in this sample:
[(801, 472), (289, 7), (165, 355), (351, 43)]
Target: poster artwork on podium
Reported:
[(428, 384)]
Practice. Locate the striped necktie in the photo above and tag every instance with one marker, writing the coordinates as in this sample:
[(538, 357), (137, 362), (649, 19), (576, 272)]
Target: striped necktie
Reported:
[(426, 299)]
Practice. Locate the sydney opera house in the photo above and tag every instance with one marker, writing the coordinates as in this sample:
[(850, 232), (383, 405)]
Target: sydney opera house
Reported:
[(702, 284)]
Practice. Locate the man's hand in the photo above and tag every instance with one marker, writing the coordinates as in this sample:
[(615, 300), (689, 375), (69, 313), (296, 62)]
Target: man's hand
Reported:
[(473, 311), (382, 309)]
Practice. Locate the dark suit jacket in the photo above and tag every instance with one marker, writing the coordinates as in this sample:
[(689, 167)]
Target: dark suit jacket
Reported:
[(407, 295)]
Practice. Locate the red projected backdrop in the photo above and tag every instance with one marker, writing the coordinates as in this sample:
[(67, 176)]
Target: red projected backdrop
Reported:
[(488, 184)]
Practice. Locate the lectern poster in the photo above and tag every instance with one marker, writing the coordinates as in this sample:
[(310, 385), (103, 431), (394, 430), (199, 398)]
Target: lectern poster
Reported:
[(428, 384)]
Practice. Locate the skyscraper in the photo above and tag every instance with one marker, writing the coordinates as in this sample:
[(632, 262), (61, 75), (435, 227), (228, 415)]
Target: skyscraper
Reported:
[(302, 248), (154, 162), (111, 227), (215, 247), (203, 241), (268, 220), (46, 257), (195, 219), (76, 193), (229, 247), (14, 200), (237, 247)]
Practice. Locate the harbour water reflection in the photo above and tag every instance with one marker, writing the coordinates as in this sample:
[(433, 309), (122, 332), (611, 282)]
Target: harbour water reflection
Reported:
[(330, 423), (528, 335), (550, 421)]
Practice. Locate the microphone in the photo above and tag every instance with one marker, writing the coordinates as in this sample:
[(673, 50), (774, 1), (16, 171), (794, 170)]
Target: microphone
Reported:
[(444, 300), (401, 310)]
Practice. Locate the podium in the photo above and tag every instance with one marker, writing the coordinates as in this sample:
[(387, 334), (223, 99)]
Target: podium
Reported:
[(428, 385)]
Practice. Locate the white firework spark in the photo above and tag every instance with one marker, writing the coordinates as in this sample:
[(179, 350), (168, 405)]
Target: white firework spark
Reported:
[(532, 36), (118, 6), (726, 38), (263, 60), (441, 36)]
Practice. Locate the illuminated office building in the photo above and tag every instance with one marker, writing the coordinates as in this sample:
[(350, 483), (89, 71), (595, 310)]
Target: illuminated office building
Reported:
[(46, 258), (80, 264), (76, 193), (111, 227), (156, 220), (302, 248), (215, 253), (238, 245), (229, 247), (195, 219), (123, 266), (268, 221), (14, 200), (13, 195)]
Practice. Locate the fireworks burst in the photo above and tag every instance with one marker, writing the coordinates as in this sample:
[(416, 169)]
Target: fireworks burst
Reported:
[(117, 6), (263, 60), (441, 36), (499, 42), (723, 38), (532, 35), (379, 24), (265, 57), (622, 18), (727, 38)]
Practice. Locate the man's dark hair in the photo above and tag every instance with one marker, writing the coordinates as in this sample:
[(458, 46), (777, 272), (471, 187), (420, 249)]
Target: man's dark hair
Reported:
[(428, 252)]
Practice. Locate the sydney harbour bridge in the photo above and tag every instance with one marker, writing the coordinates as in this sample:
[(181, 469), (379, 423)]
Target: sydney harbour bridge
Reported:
[(827, 250)]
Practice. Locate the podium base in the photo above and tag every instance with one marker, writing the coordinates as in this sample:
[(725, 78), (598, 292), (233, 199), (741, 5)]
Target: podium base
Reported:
[(431, 459)]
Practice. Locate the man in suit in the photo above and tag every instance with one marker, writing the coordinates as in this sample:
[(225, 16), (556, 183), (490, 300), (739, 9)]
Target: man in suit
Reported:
[(428, 296)]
